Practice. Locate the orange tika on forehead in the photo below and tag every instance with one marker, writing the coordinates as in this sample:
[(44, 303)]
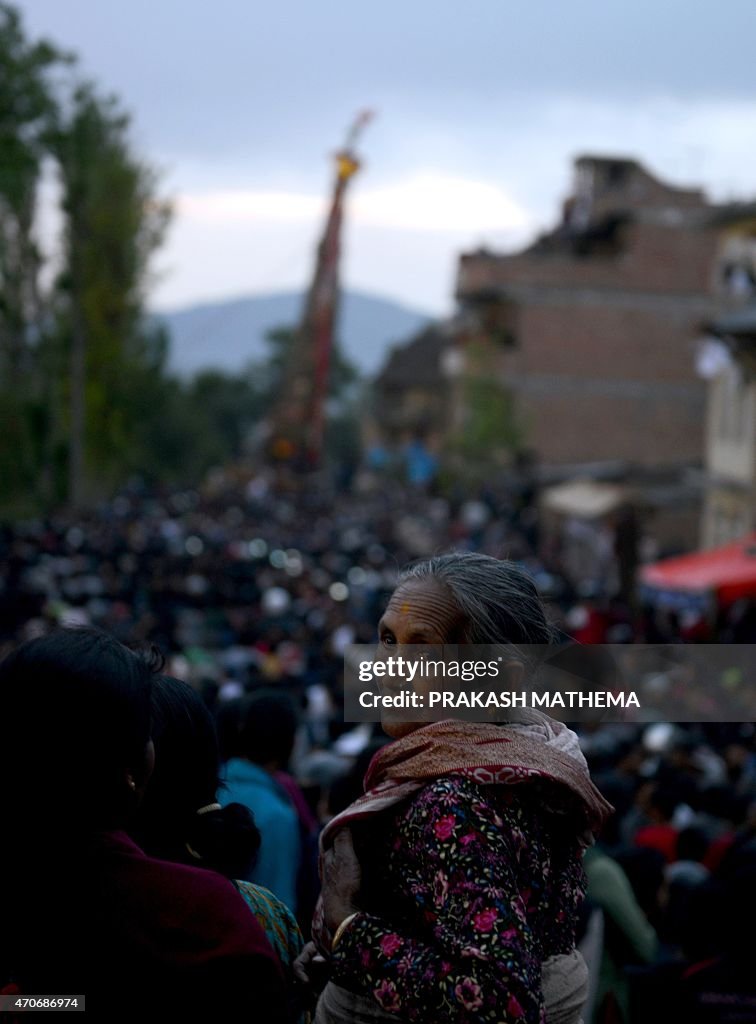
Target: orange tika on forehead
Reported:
[(420, 611)]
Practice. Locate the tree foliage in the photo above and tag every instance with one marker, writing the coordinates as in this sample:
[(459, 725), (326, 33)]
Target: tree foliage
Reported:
[(79, 362), (281, 342), (113, 224), (491, 432), (86, 398), (26, 106)]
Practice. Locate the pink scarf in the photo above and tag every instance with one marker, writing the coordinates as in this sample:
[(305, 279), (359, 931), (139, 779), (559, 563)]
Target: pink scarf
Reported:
[(536, 747)]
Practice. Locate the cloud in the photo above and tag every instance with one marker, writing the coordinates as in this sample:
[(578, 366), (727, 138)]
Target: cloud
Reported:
[(404, 232), (236, 206), (425, 201), (429, 201)]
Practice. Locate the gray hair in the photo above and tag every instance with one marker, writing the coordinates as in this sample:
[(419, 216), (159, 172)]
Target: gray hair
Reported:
[(498, 599)]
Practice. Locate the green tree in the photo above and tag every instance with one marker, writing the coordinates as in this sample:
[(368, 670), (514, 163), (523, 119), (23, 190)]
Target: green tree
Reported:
[(230, 407), (113, 224), (281, 343), (491, 427), (490, 432), (27, 105), (81, 372), (85, 396)]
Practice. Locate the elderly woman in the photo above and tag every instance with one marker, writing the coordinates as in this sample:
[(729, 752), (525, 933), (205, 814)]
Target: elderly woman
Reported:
[(451, 888)]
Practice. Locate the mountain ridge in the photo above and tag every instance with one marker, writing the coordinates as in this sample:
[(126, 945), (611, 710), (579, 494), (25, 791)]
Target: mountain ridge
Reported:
[(228, 334)]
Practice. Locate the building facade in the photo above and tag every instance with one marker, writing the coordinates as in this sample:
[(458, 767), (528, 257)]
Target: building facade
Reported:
[(728, 363), (730, 453), (594, 327)]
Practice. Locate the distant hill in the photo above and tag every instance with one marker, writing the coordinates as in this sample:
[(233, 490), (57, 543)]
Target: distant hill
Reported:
[(228, 335)]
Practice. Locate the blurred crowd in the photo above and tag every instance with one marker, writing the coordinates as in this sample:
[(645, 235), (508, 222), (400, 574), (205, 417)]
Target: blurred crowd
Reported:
[(672, 880), (262, 578), (261, 573), (253, 588)]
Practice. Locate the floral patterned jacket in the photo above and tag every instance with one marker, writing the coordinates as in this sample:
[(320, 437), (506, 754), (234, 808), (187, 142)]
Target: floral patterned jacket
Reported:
[(464, 897)]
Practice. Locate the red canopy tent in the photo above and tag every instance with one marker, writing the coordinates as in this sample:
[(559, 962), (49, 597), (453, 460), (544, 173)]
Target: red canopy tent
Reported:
[(723, 574)]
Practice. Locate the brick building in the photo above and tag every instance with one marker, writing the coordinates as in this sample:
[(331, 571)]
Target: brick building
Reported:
[(594, 326), (729, 364), (730, 454), (411, 393)]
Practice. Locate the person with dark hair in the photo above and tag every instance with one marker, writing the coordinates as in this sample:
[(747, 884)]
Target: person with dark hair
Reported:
[(688, 867), (714, 981), (180, 819), (266, 739), (659, 802), (451, 887), (84, 909), (629, 937), (721, 989), (644, 867)]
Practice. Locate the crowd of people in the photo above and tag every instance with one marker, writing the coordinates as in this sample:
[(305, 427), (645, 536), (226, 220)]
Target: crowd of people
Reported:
[(209, 828)]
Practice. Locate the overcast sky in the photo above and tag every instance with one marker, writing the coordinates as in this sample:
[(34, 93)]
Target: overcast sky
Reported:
[(481, 107)]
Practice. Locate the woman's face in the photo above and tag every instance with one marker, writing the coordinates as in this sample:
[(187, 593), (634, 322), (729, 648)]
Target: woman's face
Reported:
[(418, 612)]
